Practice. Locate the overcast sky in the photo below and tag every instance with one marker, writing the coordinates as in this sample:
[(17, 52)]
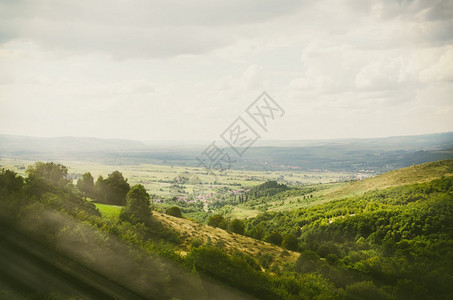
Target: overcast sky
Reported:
[(184, 70)]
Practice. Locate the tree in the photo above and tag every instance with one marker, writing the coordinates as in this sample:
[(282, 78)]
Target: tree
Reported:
[(237, 226), (217, 221), (113, 189), (290, 242), (10, 181), (86, 185), (54, 174), (308, 261), (174, 211), (275, 238), (100, 189), (258, 232), (137, 205), (365, 290)]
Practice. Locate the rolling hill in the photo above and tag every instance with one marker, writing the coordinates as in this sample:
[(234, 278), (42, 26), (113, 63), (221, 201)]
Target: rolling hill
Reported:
[(409, 175), (331, 191), (385, 237)]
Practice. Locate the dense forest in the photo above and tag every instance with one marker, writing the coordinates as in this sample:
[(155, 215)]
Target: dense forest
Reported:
[(394, 243)]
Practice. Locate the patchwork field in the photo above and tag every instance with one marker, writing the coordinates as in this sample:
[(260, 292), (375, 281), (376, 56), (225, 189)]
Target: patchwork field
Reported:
[(160, 179)]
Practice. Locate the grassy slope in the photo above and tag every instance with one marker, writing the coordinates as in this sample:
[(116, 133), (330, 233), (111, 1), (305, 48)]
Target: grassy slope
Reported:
[(331, 191), (109, 211), (414, 174), (190, 230)]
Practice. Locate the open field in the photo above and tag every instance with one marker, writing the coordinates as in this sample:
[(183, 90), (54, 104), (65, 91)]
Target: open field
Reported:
[(159, 179)]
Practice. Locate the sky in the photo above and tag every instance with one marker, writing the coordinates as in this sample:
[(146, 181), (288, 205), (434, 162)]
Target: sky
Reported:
[(185, 70)]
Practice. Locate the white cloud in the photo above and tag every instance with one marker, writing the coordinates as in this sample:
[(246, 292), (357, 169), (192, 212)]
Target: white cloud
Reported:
[(186, 69), (441, 69)]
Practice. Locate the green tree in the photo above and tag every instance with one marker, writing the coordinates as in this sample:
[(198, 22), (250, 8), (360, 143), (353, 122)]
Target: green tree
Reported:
[(308, 261), (10, 181), (100, 190), (365, 290), (217, 221), (52, 173), (258, 232), (275, 238), (237, 226), (137, 206), (174, 211), (86, 185), (113, 189), (290, 242)]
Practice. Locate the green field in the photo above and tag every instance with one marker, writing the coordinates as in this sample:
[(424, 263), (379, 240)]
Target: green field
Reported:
[(109, 211)]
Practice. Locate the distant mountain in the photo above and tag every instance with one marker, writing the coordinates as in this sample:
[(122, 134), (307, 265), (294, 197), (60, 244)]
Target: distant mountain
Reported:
[(434, 141), (354, 155), (14, 143)]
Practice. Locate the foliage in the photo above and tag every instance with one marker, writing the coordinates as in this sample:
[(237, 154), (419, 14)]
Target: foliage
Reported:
[(112, 190), (174, 211), (290, 242), (400, 238), (365, 290), (53, 173), (237, 226), (137, 206), (385, 244), (269, 188), (86, 185), (217, 221), (275, 238), (10, 181), (232, 270)]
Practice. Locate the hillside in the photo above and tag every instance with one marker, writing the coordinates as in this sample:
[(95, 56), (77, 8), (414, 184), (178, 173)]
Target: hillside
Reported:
[(190, 230), (410, 175), (390, 242), (398, 237), (230, 241), (323, 193)]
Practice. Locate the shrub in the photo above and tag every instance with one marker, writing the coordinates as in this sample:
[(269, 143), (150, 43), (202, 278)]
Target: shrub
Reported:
[(174, 211)]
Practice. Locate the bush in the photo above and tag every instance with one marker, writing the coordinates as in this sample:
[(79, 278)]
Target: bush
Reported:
[(290, 242), (137, 205), (237, 226), (195, 243), (217, 221), (365, 290), (275, 238), (174, 211)]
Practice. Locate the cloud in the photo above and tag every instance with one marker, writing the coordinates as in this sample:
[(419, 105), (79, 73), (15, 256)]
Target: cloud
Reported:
[(441, 69), (179, 69), (144, 29)]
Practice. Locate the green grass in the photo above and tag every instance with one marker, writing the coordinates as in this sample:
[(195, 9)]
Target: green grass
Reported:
[(242, 213), (410, 175), (109, 211)]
